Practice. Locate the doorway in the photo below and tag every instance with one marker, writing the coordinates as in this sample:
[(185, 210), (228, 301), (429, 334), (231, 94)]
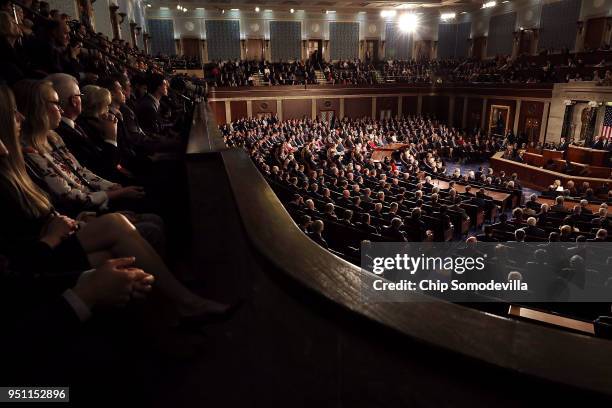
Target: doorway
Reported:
[(371, 50), (479, 47), (254, 50), (191, 48), (525, 42), (315, 51), (499, 119)]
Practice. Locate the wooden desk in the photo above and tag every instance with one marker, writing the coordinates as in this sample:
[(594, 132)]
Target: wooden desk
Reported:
[(538, 178), (497, 196), (380, 153), (569, 204), (586, 155), (551, 154)]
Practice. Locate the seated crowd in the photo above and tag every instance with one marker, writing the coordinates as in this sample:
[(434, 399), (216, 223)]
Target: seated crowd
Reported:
[(502, 69), (88, 133), (340, 197), (247, 73)]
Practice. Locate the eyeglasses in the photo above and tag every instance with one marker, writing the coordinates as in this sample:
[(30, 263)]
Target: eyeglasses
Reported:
[(57, 104)]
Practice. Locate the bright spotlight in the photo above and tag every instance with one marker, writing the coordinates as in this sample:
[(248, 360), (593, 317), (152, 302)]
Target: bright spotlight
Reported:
[(408, 22), (489, 4), (448, 16), (178, 7), (292, 11), (257, 9)]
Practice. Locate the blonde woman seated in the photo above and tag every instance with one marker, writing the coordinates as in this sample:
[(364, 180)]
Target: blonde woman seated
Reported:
[(73, 187), (44, 240)]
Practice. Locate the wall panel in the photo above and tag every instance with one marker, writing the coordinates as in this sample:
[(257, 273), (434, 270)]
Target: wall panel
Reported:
[(297, 108), (223, 39), (357, 107), (343, 40), (238, 109)]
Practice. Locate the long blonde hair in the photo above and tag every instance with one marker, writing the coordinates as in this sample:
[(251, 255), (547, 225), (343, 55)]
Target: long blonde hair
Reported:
[(32, 99), (12, 167)]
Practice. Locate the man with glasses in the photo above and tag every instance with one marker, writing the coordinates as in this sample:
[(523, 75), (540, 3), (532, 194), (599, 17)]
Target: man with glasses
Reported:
[(99, 156)]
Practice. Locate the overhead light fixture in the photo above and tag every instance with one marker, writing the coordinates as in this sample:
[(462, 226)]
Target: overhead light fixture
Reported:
[(235, 9), (408, 22), (178, 6), (148, 5), (222, 11), (184, 10), (199, 8), (505, 1), (388, 13), (257, 9), (448, 16), (329, 11), (489, 4), (292, 11), (464, 12), (164, 8)]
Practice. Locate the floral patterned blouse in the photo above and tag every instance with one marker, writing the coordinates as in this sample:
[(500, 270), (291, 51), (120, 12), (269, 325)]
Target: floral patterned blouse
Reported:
[(66, 179)]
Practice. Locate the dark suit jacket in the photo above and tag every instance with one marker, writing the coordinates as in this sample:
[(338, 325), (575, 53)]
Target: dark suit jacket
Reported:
[(535, 231), (95, 154), (147, 112)]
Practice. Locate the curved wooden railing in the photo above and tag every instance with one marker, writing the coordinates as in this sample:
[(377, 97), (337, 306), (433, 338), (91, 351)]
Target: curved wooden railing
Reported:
[(523, 347)]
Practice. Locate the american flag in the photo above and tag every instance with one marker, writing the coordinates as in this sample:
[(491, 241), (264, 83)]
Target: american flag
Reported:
[(606, 131)]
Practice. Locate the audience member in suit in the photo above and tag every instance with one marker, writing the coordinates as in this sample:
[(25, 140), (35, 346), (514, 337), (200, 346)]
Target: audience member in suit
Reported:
[(576, 272), (585, 209), (533, 204), (365, 225), (532, 230), (392, 213), (600, 236), (316, 233), (13, 67), (47, 52), (559, 205), (310, 209), (542, 216), (37, 238), (296, 204), (129, 157), (414, 226), (328, 212), (394, 230), (503, 224), (148, 112), (487, 236), (347, 218), (601, 220)]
